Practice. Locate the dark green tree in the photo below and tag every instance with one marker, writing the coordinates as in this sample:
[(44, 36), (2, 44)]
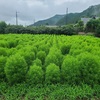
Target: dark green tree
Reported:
[(80, 23), (92, 25), (3, 25)]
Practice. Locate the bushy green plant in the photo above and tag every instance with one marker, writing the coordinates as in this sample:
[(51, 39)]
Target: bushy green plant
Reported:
[(35, 75), (16, 68), (77, 48), (34, 49), (3, 43), (44, 47), (38, 62), (65, 49), (54, 56), (3, 51), (97, 33), (28, 55), (68, 30), (11, 51), (41, 55), (2, 66), (69, 70), (75, 52), (92, 25), (52, 73), (89, 67), (80, 26), (12, 43)]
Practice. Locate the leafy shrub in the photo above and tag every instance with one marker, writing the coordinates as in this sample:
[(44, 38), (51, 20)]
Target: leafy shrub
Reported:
[(3, 25), (54, 56), (28, 55), (69, 70), (68, 30), (97, 33), (52, 73), (11, 51), (41, 55), (2, 66), (80, 26), (89, 67), (12, 43), (65, 49), (19, 46), (34, 49), (3, 44), (77, 48), (3, 51), (15, 29), (92, 25), (35, 75), (16, 68), (37, 62), (44, 47), (75, 52)]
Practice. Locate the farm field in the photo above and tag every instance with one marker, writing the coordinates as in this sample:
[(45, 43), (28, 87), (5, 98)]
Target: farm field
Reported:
[(49, 67)]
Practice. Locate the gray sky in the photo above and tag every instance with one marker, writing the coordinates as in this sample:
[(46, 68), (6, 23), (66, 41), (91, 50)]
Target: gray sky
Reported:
[(30, 10)]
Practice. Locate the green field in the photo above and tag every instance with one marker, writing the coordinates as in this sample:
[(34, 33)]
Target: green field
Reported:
[(49, 67)]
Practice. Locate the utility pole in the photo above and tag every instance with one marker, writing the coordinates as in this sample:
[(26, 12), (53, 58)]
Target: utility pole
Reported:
[(66, 11), (34, 20), (66, 15), (16, 18)]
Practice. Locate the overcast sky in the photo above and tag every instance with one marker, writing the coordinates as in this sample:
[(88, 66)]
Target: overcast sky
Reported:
[(34, 10)]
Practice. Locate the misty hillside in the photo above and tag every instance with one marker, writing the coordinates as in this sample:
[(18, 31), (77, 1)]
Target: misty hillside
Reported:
[(74, 17), (91, 11), (51, 21), (71, 17)]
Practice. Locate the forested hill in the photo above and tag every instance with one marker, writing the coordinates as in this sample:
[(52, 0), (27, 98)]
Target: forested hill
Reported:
[(51, 21), (71, 17), (74, 17)]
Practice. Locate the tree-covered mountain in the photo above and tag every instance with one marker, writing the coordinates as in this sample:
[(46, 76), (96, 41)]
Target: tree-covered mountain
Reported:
[(51, 21), (74, 17), (71, 17)]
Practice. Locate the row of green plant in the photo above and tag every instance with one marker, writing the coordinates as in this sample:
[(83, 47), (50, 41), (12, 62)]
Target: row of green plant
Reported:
[(49, 92), (72, 71), (48, 59)]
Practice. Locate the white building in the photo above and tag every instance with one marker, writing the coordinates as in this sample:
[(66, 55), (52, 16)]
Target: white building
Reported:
[(85, 20)]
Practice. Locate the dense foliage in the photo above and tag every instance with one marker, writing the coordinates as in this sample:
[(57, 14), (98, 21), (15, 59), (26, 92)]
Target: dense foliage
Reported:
[(49, 92), (15, 69), (49, 59), (2, 66), (2, 26), (35, 75), (49, 67), (19, 29), (93, 26), (52, 73)]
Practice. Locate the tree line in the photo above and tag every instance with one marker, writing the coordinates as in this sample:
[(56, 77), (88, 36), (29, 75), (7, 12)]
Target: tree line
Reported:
[(71, 29)]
